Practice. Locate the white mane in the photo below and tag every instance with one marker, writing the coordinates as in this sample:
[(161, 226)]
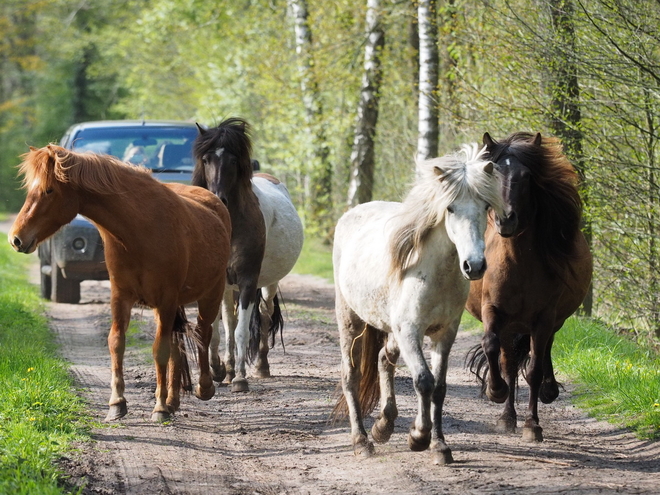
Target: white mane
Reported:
[(440, 181)]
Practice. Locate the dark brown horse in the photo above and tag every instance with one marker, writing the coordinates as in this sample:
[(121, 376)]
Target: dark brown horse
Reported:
[(166, 245), (266, 240), (539, 271)]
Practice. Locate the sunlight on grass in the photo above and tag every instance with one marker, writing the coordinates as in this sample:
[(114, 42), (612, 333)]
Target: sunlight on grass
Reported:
[(618, 380), (315, 259), (39, 413)]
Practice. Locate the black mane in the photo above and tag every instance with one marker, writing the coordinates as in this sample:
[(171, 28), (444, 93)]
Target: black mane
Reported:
[(233, 134)]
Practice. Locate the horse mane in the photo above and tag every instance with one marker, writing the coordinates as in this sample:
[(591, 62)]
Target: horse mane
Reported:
[(97, 173), (439, 182), (233, 134), (554, 192)]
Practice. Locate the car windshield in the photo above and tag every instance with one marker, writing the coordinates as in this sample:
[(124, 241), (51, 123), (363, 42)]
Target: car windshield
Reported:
[(158, 148)]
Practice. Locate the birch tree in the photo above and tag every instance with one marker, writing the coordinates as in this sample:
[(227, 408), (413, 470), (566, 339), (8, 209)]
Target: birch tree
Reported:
[(360, 187), (319, 214), (427, 143)]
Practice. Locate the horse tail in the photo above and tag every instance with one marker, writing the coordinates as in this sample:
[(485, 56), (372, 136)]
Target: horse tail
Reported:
[(179, 337), (276, 325), (477, 363), (373, 341)]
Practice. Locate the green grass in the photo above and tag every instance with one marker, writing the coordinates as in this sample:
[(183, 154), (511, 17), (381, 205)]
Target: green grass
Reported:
[(315, 259), (617, 379), (40, 415)]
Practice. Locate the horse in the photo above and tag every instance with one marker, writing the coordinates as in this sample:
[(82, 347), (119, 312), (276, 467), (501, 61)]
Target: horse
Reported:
[(266, 241), (166, 245), (402, 271), (539, 271)]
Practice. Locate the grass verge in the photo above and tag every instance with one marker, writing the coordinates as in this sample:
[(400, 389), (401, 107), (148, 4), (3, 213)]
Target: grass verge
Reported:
[(617, 380), (315, 259), (40, 415)]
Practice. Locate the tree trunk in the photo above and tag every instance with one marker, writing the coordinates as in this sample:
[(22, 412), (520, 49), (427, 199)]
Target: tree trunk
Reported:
[(427, 142), (318, 210), (565, 114), (360, 187)]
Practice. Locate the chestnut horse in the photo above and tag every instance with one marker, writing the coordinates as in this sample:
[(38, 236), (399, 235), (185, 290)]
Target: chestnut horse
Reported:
[(166, 245), (266, 241), (402, 272), (539, 271)]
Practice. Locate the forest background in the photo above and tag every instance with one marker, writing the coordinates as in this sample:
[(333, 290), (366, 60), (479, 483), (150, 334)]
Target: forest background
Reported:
[(332, 91)]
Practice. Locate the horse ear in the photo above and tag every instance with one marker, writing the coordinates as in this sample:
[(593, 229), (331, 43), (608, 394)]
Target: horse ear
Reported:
[(32, 148), (201, 130), (538, 139), (487, 140), (439, 173), (488, 168)]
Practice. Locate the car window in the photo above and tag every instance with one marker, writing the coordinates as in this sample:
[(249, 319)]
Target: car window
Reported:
[(158, 148)]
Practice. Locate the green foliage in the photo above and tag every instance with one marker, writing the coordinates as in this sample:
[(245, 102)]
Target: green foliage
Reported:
[(40, 415), (618, 380)]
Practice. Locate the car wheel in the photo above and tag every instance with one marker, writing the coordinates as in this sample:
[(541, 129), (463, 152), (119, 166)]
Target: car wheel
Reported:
[(63, 290)]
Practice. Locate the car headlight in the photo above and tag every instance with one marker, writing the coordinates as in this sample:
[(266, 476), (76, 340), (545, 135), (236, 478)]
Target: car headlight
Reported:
[(79, 244)]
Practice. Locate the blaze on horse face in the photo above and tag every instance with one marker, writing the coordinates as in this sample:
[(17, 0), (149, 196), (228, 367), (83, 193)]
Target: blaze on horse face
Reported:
[(515, 186), (221, 172)]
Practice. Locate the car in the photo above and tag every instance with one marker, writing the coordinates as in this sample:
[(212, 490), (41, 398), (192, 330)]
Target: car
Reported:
[(75, 252)]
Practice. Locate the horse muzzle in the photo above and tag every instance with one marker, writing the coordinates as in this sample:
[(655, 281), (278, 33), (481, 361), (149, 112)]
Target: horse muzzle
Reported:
[(21, 246), (473, 269)]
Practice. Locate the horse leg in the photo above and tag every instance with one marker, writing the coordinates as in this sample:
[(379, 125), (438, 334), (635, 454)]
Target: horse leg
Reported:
[(207, 312), (266, 310), (497, 389), (218, 369), (384, 425), (508, 421), (442, 343), (532, 431), (121, 316), (419, 436), (229, 323), (242, 335), (166, 400), (549, 387), (350, 327)]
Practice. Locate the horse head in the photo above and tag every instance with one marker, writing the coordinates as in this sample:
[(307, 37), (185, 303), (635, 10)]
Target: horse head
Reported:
[(514, 181), (222, 159), (50, 201)]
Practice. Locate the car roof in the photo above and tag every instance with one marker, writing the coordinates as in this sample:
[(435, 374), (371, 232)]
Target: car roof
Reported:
[(132, 123)]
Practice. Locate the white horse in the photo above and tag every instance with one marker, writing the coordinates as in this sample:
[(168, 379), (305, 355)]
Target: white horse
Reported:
[(402, 271), (267, 237)]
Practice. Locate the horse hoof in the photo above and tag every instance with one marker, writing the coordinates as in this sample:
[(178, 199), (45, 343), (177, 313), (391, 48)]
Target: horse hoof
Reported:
[(443, 457), (173, 405), (532, 434), (204, 394), (262, 373), (506, 425), (364, 449), (417, 442), (382, 430), (160, 416), (498, 396), (117, 411), (219, 372), (239, 385), (549, 392)]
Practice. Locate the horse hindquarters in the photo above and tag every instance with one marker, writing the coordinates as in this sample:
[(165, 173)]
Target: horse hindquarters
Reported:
[(360, 345)]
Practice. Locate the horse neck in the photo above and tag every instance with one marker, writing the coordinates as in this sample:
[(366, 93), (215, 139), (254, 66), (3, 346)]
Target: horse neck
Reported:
[(113, 212)]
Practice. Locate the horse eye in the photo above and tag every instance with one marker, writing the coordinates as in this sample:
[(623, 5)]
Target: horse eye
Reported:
[(48, 191), (450, 209), (487, 206)]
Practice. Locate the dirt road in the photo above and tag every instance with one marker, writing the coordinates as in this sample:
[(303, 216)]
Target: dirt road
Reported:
[(276, 438)]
